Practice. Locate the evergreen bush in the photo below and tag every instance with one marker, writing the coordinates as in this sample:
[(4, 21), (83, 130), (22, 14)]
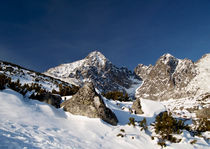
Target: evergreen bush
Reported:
[(166, 125), (132, 121), (116, 95), (4, 80), (202, 125), (143, 124)]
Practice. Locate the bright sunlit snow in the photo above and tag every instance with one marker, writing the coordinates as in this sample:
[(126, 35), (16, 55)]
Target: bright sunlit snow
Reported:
[(26, 123)]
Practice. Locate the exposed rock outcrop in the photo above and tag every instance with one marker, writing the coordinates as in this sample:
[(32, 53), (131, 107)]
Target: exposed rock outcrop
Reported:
[(49, 98), (203, 113), (167, 79), (137, 106), (87, 102), (142, 70)]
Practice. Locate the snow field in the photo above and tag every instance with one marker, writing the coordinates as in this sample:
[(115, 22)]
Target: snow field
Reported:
[(32, 124)]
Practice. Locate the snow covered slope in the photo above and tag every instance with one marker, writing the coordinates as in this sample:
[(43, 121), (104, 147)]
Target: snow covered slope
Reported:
[(201, 82), (38, 125), (99, 70), (26, 76)]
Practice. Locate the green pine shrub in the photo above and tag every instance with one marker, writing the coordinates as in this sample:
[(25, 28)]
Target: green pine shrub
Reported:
[(132, 121), (165, 125), (122, 130), (116, 95), (193, 141), (4, 80), (201, 125), (120, 135), (66, 90), (161, 143), (143, 124), (16, 86)]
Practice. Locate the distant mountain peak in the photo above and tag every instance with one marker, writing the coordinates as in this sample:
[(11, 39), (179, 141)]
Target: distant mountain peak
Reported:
[(168, 59), (167, 55), (97, 59), (98, 69), (96, 54)]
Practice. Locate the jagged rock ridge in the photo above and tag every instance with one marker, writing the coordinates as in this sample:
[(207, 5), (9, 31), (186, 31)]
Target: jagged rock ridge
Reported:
[(98, 69)]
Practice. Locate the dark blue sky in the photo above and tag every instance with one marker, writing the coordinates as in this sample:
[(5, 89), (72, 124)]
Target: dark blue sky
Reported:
[(40, 34)]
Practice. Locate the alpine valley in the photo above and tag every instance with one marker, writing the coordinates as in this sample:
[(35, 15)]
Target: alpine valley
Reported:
[(93, 104)]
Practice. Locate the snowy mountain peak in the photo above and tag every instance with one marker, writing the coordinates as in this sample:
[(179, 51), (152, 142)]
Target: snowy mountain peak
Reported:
[(167, 55), (168, 78), (96, 58), (167, 59), (96, 54), (97, 69), (205, 58)]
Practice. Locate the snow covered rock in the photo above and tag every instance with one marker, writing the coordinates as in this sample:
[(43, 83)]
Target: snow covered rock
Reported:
[(98, 69), (200, 83), (143, 70), (87, 102)]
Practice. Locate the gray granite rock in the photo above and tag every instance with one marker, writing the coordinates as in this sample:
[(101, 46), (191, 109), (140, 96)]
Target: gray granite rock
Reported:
[(87, 102), (137, 106)]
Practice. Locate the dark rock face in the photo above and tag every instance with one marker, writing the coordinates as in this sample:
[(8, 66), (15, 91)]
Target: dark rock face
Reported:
[(98, 69), (167, 79), (87, 102), (49, 98)]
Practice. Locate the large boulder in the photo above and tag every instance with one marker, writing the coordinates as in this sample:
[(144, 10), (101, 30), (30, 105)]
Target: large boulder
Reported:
[(87, 102)]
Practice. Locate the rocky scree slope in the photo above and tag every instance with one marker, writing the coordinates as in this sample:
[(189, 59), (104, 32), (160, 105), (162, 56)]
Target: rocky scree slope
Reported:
[(98, 69)]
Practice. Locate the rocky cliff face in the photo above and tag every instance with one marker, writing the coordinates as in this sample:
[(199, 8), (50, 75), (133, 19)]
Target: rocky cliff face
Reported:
[(88, 102), (142, 70), (168, 78), (98, 69)]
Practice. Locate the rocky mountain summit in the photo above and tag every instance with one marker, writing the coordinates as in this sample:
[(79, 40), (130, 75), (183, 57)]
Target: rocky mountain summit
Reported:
[(87, 102), (168, 78), (98, 69)]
